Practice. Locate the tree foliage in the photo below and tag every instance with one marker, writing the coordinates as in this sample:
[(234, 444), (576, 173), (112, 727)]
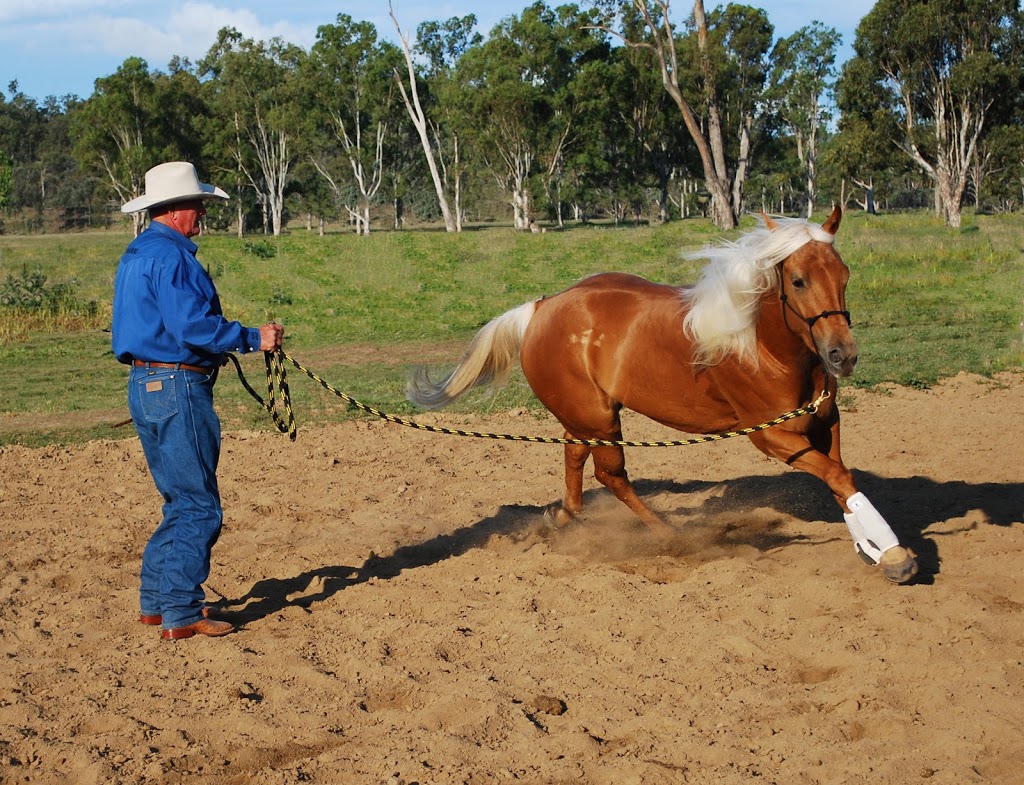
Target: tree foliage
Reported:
[(628, 109), (942, 66), (253, 89)]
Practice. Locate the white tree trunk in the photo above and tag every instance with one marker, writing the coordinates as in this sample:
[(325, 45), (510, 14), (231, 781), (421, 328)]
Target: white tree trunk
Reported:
[(411, 98)]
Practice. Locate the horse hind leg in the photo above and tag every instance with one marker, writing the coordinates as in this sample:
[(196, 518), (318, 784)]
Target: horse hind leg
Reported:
[(572, 502), (610, 471)]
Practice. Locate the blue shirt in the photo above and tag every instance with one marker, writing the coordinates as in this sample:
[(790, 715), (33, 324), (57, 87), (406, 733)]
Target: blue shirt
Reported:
[(166, 308)]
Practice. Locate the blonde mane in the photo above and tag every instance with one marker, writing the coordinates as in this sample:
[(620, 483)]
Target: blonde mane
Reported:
[(723, 304)]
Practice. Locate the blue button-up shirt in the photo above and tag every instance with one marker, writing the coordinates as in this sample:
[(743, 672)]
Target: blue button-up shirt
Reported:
[(166, 308)]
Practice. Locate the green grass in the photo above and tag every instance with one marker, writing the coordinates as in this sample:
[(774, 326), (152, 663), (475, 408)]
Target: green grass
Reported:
[(927, 303)]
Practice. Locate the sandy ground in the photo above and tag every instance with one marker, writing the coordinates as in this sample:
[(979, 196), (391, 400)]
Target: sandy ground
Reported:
[(408, 616)]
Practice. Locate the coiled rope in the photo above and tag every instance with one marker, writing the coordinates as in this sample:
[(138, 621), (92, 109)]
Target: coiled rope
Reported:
[(277, 388)]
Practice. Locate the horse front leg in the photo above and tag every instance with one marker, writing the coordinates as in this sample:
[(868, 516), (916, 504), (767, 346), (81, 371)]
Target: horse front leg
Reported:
[(819, 456)]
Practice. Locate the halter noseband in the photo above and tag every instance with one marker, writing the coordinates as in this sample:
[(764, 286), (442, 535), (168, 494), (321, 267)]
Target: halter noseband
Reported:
[(810, 320)]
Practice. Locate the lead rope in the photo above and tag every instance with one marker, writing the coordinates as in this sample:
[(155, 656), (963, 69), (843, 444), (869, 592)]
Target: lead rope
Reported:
[(275, 376), (277, 382)]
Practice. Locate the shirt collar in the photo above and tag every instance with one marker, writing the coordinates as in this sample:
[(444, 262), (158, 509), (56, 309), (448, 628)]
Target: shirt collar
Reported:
[(174, 235)]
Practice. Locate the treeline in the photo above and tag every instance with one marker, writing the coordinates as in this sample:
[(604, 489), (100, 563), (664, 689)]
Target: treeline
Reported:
[(615, 110)]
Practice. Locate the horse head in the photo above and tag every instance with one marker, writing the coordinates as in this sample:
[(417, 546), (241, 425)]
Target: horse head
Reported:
[(812, 290)]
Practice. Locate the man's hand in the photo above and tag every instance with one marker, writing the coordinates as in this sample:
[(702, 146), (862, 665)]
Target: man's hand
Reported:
[(271, 336)]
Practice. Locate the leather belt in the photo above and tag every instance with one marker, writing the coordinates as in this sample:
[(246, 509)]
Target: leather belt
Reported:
[(183, 366)]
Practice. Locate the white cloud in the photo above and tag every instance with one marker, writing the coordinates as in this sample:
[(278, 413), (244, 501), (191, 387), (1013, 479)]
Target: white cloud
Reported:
[(28, 12), (189, 32)]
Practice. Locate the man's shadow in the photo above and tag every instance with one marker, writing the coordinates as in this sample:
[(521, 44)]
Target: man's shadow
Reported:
[(911, 505), (272, 595)]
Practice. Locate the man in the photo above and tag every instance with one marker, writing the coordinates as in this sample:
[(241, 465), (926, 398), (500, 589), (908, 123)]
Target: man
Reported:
[(168, 326)]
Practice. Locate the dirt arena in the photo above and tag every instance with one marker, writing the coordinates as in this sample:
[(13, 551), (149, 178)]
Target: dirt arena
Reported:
[(407, 616)]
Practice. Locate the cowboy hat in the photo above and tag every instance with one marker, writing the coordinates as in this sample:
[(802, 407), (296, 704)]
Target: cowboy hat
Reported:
[(176, 181)]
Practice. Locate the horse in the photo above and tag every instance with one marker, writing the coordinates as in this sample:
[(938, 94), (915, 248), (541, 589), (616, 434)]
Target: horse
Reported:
[(764, 330)]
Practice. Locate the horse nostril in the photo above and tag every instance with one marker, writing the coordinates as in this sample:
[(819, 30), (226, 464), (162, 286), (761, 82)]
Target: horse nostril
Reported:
[(842, 361)]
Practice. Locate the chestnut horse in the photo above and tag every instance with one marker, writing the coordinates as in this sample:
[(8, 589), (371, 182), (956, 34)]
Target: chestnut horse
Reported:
[(764, 331)]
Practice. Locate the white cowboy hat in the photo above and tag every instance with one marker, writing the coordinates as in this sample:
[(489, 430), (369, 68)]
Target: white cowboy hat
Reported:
[(176, 181)]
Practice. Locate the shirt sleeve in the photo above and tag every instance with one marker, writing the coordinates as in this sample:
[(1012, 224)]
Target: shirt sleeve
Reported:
[(190, 311)]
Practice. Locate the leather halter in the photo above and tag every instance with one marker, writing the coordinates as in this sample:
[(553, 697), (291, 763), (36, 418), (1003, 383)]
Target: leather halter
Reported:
[(808, 320)]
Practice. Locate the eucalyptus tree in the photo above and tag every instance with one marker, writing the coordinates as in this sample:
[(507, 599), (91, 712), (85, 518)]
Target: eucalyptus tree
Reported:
[(54, 180), (351, 90), (408, 185), (692, 79), (414, 103), (942, 64), (23, 131), (253, 89), (726, 77), (630, 145), (863, 151), (802, 79), (997, 175), (442, 46), (603, 164), (6, 183), (309, 194), (120, 132), (524, 103)]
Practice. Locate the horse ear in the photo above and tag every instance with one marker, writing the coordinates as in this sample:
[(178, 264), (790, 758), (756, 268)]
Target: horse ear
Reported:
[(769, 224), (831, 224)]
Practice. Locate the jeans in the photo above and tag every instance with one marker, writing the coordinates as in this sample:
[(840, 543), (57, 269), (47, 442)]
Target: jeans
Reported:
[(180, 434)]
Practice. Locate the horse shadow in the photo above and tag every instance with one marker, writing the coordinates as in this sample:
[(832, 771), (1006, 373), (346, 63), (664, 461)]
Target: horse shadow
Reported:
[(911, 505)]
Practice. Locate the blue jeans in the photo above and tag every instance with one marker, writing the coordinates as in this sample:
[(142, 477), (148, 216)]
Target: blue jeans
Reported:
[(180, 434)]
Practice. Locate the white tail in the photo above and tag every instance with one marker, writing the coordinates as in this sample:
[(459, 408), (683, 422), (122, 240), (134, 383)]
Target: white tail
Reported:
[(488, 360)]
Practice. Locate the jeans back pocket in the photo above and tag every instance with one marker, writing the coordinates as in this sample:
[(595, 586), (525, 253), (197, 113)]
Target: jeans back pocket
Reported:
[(157, 396)]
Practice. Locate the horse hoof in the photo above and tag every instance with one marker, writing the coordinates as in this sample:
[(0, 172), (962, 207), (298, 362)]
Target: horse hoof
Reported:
[(896, 570), (558, 515)]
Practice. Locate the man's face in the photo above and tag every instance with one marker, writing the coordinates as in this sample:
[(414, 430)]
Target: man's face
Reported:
[(187, 215)]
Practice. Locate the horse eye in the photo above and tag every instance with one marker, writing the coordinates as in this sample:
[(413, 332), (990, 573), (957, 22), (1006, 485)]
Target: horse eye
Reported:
[(798, 283)]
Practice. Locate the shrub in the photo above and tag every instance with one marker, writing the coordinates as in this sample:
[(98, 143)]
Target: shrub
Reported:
[(261, 249), (29, 292)]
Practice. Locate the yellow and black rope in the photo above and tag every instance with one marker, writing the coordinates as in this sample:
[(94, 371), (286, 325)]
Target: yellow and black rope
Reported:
[(277, 382), (277, 379)]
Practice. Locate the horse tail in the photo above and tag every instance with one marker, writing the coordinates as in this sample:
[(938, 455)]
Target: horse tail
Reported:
[(488, 360)]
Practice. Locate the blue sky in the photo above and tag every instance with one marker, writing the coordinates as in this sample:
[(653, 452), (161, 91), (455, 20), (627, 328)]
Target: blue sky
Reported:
[(60, 47)]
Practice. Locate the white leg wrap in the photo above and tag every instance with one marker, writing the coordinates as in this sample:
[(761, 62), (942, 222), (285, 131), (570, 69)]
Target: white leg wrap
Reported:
[(871, 534)]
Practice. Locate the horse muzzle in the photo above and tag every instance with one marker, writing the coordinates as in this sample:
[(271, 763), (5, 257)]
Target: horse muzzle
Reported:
[(840, 360)]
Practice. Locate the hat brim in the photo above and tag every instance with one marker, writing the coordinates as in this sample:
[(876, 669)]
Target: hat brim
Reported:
[(206, 191)]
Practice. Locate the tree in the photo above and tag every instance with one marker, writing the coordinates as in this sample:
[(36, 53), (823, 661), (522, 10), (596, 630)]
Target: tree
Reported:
[(707, 135), (997, 176), (118, 131), (350, 78), (414, 106), (802, 76), (253, 89), (23, 142), (6, 182), (736, 57), (864, 148), (443, 45), (523, 102), (943, 63)]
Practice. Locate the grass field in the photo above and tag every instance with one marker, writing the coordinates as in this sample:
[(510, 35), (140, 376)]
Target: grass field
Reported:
[(927, 302)]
